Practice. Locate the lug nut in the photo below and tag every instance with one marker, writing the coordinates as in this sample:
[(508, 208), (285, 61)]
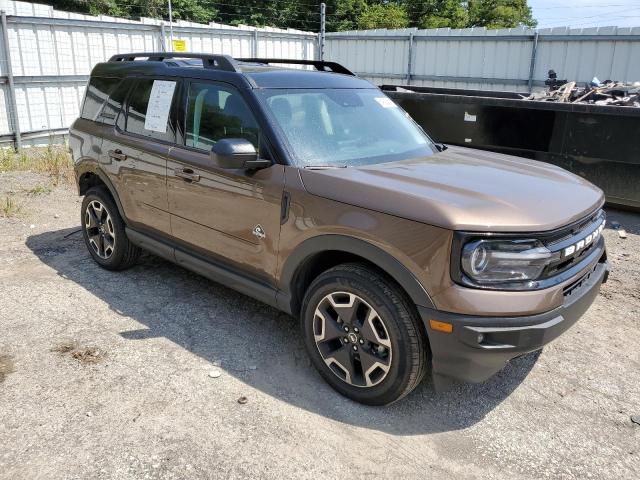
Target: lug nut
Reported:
[(346, 340), (356, 330), (361, 342), (355, 347), (346, 329)]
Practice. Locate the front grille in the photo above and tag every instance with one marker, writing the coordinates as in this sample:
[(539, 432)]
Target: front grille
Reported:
[(574, 230), (571, 235)]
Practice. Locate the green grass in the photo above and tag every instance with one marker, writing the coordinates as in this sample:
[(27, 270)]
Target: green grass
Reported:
[(53, 160)]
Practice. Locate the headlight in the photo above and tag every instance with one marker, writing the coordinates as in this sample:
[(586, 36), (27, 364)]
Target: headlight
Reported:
[(490, 262)]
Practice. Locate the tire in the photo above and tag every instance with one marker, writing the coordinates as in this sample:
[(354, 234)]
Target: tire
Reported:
[(385, 352), (104, 233)]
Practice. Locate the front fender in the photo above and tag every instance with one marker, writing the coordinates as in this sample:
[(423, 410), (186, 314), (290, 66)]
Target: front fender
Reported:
[(342, 243)]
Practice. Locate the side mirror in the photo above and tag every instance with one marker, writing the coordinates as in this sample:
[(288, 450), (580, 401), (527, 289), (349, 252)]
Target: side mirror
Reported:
[(441, 147), (236, 153)]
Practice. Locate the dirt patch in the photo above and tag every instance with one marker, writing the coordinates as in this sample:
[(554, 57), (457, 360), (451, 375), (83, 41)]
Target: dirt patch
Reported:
[(83, 354), (6, 366)]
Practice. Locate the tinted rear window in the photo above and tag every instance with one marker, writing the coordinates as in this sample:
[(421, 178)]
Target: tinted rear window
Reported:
[(98, 91), (114, 103)]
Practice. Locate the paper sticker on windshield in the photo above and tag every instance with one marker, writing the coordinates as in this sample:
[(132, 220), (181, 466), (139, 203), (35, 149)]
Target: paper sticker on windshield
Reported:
[(159, 106), (386, 102)]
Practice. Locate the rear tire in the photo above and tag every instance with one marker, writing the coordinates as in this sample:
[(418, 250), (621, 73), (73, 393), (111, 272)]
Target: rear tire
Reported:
[(363, 335), (104, 233)]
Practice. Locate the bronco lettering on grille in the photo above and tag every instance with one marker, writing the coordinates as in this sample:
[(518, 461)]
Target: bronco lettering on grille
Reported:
[(576, 247)]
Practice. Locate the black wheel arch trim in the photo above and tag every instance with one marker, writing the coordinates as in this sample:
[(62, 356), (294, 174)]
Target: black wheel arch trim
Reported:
[(335, 242), (92, 168)]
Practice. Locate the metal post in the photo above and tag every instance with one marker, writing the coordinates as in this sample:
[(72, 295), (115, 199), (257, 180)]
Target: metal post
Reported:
[(323, 20), (12, 87), (170, 27), (532, 67), (163, 38), (255, 43), (410, 59)]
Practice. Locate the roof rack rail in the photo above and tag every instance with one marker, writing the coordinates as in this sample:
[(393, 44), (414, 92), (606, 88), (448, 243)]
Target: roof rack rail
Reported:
[(220, 62), (318, 64)]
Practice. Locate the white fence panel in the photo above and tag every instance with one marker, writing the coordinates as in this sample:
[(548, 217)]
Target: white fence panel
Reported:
[(481, 59)]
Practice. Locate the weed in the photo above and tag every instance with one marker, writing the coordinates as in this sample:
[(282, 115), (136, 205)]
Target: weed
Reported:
[(6, 366), (40, 190), (53, 160), (80, 353), (9, 207)]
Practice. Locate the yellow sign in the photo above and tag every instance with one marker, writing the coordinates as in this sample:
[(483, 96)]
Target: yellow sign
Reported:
[(179, 45)]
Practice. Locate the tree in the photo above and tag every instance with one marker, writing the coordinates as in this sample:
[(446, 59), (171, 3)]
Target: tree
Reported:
[(500, 14), (341, 14), (344, 14), (383, 15), (437, 13)]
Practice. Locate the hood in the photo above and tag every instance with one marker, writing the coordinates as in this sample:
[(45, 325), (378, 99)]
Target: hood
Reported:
[(463, 189)]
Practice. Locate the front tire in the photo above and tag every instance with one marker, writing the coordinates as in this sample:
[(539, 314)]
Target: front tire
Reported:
[(104, 233), (363, 335)]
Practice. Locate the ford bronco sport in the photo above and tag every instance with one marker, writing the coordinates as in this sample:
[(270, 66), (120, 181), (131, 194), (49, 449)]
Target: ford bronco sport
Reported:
[(310, 190)]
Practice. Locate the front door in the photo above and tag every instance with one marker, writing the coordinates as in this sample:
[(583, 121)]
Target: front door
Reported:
[(230, 215)]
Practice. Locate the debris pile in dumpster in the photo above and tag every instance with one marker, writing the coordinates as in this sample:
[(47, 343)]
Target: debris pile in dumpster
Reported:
[(609, 92)]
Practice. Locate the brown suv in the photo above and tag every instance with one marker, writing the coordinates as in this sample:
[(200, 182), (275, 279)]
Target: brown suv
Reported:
[(314, 192)]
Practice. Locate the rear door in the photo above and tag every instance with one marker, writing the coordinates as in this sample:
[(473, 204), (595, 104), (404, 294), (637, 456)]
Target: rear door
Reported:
[(231, 215), (136, 148)]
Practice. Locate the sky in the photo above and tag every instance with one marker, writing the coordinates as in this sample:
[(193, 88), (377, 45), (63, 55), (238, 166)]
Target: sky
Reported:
[(586, 13)]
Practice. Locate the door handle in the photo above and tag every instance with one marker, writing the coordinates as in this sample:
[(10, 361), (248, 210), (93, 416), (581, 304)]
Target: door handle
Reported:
[(117, 155), (187, 174)]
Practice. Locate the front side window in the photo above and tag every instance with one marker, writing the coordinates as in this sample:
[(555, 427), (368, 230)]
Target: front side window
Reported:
[(215, 112), (344, 127), (98, 91), (149, 110)]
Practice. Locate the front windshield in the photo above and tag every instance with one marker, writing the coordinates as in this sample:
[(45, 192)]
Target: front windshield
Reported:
[(341, 127)]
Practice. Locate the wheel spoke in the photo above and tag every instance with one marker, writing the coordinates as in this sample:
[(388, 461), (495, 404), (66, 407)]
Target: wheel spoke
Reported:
[(372, 364), (94, 236), (92, 217), (101, 246), (345, 305), (327, 328), (343, 358), (108, 243), (373, 330)]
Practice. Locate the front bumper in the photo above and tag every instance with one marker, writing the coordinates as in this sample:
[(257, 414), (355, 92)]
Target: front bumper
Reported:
[(478, 347)]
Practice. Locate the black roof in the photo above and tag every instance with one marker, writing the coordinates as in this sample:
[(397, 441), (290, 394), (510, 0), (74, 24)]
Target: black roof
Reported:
[(244, 73)]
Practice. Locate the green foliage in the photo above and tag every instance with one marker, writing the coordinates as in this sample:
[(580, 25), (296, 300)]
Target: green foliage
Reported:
[(344, 14), (500, 13), (383, 15), (438, 13), (341, 14)]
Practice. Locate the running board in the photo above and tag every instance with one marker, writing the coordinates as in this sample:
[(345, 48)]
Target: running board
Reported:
[(207, 268)]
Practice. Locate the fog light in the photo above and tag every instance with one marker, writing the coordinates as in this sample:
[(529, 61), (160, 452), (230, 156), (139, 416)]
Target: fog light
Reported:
[(480, 337), (440, 326)]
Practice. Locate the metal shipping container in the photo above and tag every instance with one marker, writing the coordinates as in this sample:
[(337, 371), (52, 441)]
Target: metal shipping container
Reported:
[(600, 143)]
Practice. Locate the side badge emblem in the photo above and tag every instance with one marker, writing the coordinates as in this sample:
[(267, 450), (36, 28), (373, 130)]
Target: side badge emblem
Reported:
[(259, 232)]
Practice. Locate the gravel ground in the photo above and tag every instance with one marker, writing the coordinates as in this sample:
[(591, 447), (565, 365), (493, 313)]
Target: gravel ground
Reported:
[(114, 375)]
